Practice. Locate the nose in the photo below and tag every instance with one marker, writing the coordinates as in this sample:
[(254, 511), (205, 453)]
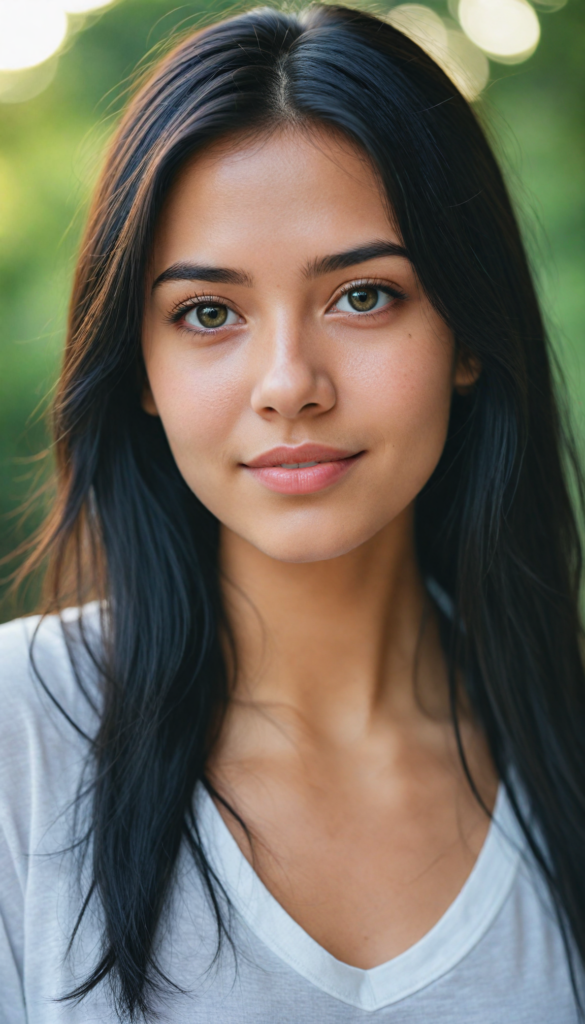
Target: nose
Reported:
[(293, 381)]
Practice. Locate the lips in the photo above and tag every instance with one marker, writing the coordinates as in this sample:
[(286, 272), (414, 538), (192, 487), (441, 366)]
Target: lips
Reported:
[(299, 454), (302, 469)]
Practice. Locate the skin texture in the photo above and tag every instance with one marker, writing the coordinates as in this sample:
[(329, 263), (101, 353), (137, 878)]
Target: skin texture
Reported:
[(337, 748)]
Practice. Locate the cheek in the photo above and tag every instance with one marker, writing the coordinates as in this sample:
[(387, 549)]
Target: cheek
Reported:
[(199, 402), (402, 395)]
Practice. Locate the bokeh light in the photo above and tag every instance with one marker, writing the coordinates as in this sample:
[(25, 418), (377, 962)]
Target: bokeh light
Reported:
[(25, 84), (84, 6), (466, 65), (30, 32), (507, 30), (550, 5), (423, 25)]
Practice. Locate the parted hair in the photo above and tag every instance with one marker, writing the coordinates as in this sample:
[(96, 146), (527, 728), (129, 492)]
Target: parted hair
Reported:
[(495, 526)]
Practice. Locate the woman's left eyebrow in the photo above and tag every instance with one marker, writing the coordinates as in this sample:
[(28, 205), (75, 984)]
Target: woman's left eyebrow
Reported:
[(349, 257)]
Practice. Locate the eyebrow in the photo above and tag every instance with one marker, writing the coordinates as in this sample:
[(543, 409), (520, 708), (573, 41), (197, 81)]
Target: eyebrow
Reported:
[(348, 258), (316, 268), (202, 272)]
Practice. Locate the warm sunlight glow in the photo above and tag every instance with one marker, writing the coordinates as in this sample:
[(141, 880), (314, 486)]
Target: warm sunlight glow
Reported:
[(30, 31), (508, 30)]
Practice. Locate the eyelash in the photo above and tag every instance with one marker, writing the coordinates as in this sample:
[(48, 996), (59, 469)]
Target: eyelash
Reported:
[(184, 307), (369, 282), (180, 310)]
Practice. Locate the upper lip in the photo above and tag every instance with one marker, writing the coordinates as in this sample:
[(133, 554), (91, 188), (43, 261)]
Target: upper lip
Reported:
[(300, 453)]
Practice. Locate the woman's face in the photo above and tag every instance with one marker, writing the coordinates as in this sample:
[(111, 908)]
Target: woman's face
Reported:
[(302, 377)]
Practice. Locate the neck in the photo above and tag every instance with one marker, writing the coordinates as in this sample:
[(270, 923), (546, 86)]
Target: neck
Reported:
[(338, 643)]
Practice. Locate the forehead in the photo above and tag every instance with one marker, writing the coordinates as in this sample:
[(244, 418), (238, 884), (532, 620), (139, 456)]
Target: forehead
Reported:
[(307, 190)]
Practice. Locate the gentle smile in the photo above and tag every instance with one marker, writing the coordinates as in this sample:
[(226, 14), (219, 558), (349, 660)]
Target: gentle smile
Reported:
[(301, 470)]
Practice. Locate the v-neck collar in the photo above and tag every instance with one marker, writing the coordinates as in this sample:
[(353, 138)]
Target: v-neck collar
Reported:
[(455, 934)]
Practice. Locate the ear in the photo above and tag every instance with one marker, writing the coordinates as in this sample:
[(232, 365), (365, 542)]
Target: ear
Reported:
[(147, 399), (467, 371)]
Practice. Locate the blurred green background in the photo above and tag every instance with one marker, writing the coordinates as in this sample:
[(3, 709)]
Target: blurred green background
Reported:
[(50, 152)]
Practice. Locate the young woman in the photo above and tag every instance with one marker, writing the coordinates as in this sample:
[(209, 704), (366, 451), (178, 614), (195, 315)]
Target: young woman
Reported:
[(301, 738)]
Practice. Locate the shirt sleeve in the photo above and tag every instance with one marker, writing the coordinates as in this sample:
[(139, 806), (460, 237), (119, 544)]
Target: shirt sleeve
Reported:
[(14, 822), (41, 757), (12, 1005)]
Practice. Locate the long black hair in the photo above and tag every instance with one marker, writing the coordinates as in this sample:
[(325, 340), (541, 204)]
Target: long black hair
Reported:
[(495, 524)]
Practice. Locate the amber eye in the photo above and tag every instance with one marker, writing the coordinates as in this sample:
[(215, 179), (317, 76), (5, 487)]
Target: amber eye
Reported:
[(363, 299)]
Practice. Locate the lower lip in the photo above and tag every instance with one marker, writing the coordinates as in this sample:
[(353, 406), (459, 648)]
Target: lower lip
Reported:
[(303, 481)]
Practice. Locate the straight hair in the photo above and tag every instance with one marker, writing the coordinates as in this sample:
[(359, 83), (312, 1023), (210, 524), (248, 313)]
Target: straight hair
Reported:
[(495, 526)]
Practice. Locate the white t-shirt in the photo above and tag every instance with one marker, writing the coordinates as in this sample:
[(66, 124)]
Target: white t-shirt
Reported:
[(495, 956)]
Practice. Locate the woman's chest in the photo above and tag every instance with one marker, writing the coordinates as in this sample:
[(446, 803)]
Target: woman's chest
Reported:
[(366, 877)]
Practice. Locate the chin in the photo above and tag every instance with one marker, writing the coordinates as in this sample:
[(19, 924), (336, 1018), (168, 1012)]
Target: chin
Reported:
[(308, 545)]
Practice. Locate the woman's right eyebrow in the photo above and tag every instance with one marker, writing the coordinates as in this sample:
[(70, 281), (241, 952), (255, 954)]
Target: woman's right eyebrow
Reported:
[(202, 272)]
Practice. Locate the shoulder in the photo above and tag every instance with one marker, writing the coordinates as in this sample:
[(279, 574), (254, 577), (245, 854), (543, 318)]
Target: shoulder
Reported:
[(49, 700), (50, 661)]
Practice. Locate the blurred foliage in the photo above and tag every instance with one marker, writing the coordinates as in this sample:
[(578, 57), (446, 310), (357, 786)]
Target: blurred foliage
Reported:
[(50, 152)]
